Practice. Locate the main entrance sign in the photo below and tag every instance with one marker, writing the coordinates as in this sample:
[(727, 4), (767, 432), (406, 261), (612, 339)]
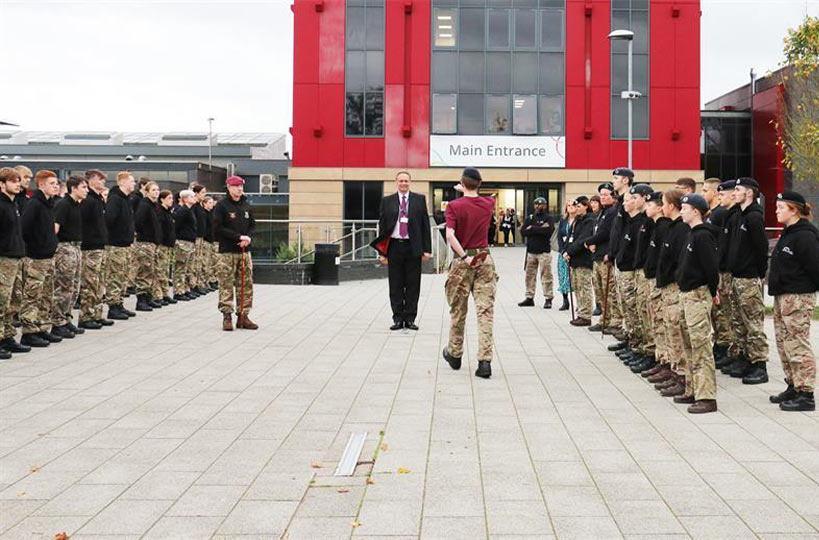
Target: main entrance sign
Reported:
[(497, 151)]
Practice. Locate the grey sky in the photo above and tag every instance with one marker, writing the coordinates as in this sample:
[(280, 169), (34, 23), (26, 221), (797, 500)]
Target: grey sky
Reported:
[(166, 66)]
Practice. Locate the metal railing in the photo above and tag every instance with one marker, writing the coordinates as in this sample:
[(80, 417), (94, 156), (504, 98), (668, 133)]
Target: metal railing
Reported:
[(353, 237)]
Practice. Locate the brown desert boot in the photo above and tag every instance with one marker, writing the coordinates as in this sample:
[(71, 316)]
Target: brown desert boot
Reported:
[(674, 390), (227, 322), (652, 371), (580, 322), (703, 406), (661, 376), (242, 321), (684, 399)]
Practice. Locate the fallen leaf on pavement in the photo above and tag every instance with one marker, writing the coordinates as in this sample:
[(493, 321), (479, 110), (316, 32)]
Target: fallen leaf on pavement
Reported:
[(34, 468), (316, 465), (343, 490), (385, 447), (61, 536), (370, 480), (356, 524), (403, 470)]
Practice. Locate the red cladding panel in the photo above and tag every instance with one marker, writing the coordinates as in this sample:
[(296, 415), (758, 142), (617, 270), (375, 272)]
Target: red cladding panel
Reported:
[(305, 116), (331, 42), (768, 156), (331, 118)]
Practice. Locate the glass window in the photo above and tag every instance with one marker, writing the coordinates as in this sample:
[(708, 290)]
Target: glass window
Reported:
[(355, 28), (525, 72), (639, 25), (355, 71), (497, 114), (354, 114), (619, 73), (444, 113), (553, 3), (525, 26), (551, 73), (446, 27), (497, 29), (498, 72), (375, 70), (524, 115), (374, 113), (444, 71), (470, 114), (620, 21), (471, 72), (621, 4), (472, 29), (551, 115), (619, 118), (375, 28), (551, 30), (498, 3)]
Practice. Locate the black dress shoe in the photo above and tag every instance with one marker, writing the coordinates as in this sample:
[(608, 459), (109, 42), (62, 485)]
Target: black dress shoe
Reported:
[(410, 326), (90, 325), (527, 302), (34, 340), (74, 329), (453, 361), (547, 304), (484, 370), (397, 325), (105, 322), (13, 347), (758, 374)]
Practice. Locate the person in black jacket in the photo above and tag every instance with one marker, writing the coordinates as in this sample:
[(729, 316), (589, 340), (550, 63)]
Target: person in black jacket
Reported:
[(580, 262), (68, 257), (698, 278), (602, 273), (621, 179), (134, 198), (725, 348), (211, 247), (12, 251), (94, 238), (233, 223), (644, 234), (793, 281), (184, 252), (148, 236), (37, 224), (164, 252), (200, 260), (119, 256), (538, 229), (748, 263)]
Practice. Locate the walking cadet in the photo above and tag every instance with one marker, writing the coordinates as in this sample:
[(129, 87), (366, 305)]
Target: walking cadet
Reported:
[(164, 252), (793, 282), (580, 262), (12, 251), (185, 250), (537, 229), (119, 219), (471, 272), (68, 258), (148, 236), (748, 262), (698, 278), (233, 224), (94, 239)]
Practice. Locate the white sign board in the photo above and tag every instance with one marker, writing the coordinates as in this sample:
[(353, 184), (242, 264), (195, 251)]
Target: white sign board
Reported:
[(497, 151)]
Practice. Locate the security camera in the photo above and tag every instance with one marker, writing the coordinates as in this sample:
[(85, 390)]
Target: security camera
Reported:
[(633, 94), (129, 157), (287, 155)]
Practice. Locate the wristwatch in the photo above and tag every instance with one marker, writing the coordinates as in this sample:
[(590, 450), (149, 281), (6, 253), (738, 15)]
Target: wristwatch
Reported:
[(463, 258)]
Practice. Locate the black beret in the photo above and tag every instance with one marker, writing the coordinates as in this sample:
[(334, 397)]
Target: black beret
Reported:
[(747, 182), (697, 201), (540, 200), (792, 197), (727, 186), (640, 189), (655, 196), (623, 171), (471, 172), (606, 185), (581, 200)]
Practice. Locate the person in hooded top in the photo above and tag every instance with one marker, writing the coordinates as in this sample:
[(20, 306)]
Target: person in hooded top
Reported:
[(793, 281), (580, 262)]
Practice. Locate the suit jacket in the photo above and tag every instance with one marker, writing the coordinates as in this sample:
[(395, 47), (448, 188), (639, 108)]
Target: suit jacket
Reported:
[(419, 231)]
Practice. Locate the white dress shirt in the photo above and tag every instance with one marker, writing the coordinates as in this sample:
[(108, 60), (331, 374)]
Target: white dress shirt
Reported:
[(396, 231)]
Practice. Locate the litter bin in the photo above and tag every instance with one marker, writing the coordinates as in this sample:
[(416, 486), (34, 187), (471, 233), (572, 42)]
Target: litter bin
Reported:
[(325, 265)]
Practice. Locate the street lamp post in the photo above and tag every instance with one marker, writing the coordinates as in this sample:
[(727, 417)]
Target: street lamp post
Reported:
[(210, 150), (630, 95)]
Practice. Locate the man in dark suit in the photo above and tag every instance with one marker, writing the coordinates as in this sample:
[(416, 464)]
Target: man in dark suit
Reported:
[(403, 242)]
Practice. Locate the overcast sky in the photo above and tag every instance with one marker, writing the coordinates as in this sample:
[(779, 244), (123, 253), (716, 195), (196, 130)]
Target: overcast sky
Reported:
[(156, 65)]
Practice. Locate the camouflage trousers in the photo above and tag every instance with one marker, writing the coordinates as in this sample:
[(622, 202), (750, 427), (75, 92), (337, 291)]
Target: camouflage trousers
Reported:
[(749, 318), (9, 270), (543, 262), (132, 267), (698, 335), (582, 285), (92, 280), (200, 263), (627, 282), (38, 295), (163, 272), (183, 267), (118, 265), (67, 266), (655, 310), (13, 311), (643, 314), (231, 269), (481, 282), (673, 328), (611, 307), (792, 317), (721, 315), (213, 263), (145, 260)]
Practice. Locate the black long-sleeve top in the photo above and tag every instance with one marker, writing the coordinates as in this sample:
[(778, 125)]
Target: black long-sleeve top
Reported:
[(602, 231), (627, 255), (580, 255), (643, 242), (94, 229), (717, 217), (67, 214), (616, 234), (37, 224), (658, 233), (201, 220), (795, 261), (232, 219), (698, 263), (146, 222), (731, 218), (670, 252), (539, 237), (185, 223), (11, 236), (20, 201), (166, 220), (210, 231), (119, 218), (134, 199), (748, 248)]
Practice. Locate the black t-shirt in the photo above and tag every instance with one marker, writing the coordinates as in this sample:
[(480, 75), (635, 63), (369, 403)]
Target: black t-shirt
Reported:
[(67, 214)]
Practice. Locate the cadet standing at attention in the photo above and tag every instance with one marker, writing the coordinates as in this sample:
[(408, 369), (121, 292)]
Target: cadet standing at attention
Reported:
[(94, 238), (12, 251), (68, 258), (602, 274), (472, 271), (580, 261), (119, 218), (721, 313), (185, 225), (148, 236), (537, 229)]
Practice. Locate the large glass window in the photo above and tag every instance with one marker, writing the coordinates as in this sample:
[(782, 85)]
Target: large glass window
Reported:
[(364, 69), (497, 115), (630, 15), (444, 113), (445, 23), (524, 114)]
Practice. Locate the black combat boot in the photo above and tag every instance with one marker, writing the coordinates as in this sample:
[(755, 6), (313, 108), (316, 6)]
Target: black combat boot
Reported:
[(74, 329), (48, 336), (13, 347), (789, 393), (62, 332), (565, 306), (168, 300), (34, 340), (115, 313), (484, 370), (547, 304), (720, 352), (597, 311), (90, 325), (740, 368), (617, 346), (758, 374), (143, 303), (802, 402), (453, 361), (4, 354), (156, 304), (527, 302)]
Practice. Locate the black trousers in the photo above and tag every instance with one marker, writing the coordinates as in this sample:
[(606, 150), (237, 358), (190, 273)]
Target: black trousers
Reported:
[(404, 273)]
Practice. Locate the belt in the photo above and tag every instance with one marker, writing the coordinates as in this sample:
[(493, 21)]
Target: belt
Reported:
[(399, 240), (475, 251)]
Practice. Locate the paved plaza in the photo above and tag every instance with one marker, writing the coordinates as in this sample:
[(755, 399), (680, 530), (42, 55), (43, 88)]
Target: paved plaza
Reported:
[(167, 427)]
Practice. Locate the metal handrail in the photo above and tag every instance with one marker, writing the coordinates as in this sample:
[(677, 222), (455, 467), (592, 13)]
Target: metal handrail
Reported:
[(351, 234)]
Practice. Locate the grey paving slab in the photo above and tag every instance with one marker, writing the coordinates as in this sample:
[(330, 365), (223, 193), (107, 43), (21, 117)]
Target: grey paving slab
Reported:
[(199, 433)]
